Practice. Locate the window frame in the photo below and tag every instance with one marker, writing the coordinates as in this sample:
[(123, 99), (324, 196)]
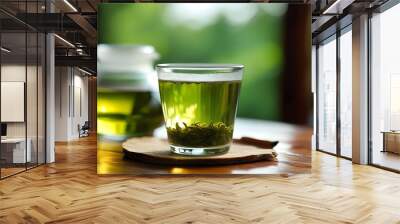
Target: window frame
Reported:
[(371, 13), (27, 29), (346, 27)]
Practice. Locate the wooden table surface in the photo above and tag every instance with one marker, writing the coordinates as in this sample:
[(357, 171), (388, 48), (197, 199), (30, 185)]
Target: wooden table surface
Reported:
[(70, 191), (294, 153)]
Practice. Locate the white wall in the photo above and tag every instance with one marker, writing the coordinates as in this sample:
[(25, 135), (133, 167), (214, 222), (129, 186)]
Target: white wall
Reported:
[(33, 127), (71, 102), (17, 73), (62, 81)]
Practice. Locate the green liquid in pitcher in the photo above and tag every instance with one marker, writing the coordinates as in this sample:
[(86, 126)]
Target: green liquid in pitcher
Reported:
[(199, 114), (122, 114)]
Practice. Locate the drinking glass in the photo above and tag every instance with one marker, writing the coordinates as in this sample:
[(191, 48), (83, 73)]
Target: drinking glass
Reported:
[(199, 103)]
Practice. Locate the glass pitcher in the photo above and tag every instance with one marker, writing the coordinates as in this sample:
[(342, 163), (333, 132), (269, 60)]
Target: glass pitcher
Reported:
[(127, 95)]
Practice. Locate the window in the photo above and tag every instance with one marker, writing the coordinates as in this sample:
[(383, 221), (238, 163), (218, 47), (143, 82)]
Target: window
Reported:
[(334, 106), (327, 96), (22, 93), (346, 93), (385, 89)]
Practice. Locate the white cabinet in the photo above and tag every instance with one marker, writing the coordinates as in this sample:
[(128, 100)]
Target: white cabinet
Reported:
[(17, 146)]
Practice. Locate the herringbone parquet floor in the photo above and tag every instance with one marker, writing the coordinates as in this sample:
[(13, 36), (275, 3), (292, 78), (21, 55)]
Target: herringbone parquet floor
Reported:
[(70, 191)]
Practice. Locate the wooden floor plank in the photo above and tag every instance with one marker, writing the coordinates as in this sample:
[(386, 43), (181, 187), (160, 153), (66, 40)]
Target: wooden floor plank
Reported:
[(70, 191)]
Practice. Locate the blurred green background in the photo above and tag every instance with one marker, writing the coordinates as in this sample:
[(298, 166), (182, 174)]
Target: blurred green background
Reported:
[(248, 34)]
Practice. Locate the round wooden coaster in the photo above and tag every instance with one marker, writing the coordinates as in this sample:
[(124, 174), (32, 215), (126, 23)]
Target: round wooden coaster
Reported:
[(156, 151)]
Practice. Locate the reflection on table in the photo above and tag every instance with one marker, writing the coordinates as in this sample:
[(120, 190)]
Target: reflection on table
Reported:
[(294, 153)]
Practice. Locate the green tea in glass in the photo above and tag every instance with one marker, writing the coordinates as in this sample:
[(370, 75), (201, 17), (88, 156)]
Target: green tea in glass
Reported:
[(199, 103)]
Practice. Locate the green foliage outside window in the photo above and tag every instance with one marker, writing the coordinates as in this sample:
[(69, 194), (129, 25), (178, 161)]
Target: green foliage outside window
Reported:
[(256, 43)]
